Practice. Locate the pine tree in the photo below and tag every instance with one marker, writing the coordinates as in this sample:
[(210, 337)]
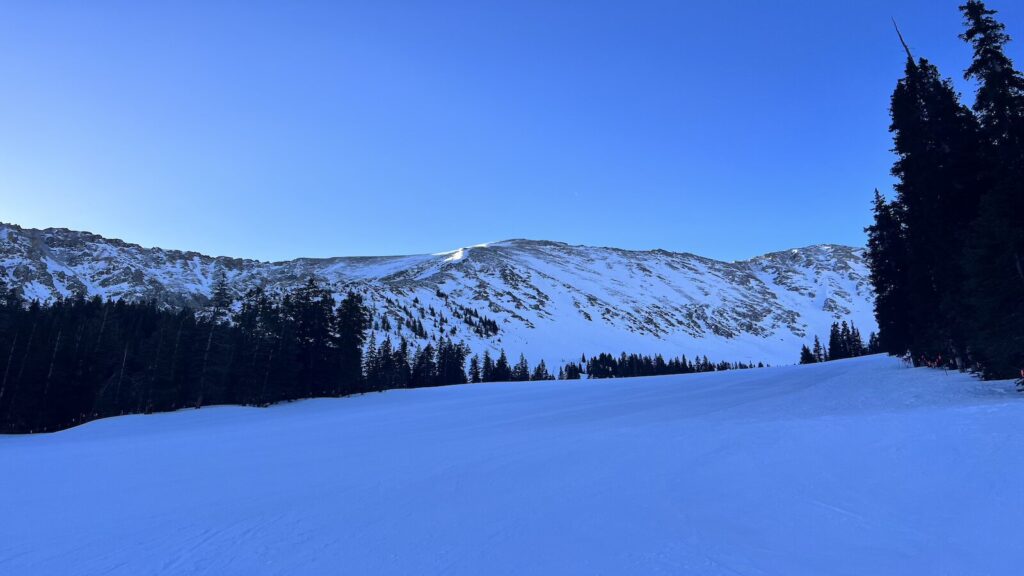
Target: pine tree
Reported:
[(856, 345), (352, 320), (221, 299), (502, 371), (818, 351), (806, 356), (936, 144), (487, 370), (994, 258), (836, 346), (474, 370), (403, 372), (521, 371), (387, 374), (572, 371), (424, 370), (874, 345), (451, 363), (371, 365), (888, 262), (541, 372)]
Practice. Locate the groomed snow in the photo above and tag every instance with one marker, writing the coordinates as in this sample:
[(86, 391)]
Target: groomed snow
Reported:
[(851, 467)]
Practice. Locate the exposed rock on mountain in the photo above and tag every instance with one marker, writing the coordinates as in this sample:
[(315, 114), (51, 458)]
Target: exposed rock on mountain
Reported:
[(544, 299)]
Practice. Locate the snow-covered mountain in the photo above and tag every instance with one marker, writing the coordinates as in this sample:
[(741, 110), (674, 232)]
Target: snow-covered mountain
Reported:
[(545, 299)]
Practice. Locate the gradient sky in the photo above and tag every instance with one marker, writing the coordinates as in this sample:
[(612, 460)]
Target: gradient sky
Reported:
[(277, 130)]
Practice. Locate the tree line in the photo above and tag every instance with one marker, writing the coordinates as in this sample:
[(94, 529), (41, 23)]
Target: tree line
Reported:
[(947, 253), (79, 359), (633, 365), (844, 341)]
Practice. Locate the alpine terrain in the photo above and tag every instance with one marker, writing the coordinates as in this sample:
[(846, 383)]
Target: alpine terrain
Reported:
[(547, 300)]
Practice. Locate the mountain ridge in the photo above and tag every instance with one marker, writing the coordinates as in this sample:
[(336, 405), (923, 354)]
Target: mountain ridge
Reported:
[(546, 299)]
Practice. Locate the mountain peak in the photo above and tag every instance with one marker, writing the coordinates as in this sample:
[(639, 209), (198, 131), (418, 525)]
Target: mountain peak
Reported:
[(546, 299)]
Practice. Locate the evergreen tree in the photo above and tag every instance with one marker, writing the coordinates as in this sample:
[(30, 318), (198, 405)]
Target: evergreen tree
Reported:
[(819, 351), (836, 346), (403, 372), (572, 371), (541, 372), (424, 369), (994, 258), (936, 144), (501, 372), (221, 299), (806, 356), (487, 371), (451, 363), (888, 262), (521, 371), (874, 345), (856, 345), (474, 370), (371, 365), (352, 321)]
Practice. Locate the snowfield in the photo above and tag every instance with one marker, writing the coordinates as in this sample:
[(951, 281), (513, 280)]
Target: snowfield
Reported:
[(852, 467), (547, 300)]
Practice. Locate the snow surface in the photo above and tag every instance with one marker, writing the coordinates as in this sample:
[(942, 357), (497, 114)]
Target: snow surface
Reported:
[(548, 300), (851, 467)]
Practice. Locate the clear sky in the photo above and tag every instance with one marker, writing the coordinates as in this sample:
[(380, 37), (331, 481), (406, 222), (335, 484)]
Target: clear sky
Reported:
[(285, 129)]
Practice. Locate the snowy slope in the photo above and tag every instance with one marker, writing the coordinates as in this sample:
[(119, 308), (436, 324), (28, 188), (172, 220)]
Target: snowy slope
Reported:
[(550, 300), (850, 467)]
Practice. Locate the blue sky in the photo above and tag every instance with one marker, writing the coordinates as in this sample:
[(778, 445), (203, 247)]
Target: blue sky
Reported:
[(277, 130)]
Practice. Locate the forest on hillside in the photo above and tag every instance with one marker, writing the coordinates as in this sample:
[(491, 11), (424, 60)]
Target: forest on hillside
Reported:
[(79, 359)]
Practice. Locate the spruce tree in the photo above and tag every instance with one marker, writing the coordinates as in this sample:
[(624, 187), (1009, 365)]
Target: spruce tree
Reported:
[(221, 299), (819, 351), (521, 371), (888, 262), (806, 356), (836, 346), (502, 371), (994, 257), (487, 369), (352, 320), (541, 372), (474, 370), (936, 143)]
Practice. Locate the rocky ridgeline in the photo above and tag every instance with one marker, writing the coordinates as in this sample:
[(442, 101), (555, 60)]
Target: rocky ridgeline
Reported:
[(545, 299)]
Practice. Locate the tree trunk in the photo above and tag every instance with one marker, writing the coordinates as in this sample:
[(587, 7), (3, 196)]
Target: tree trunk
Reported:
[(103, 326), (124, 361), (53, 360), (7, 370), (1020, 269)]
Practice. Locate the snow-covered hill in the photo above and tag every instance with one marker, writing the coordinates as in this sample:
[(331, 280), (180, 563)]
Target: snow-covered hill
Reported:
[(851, 467), (548, 299)]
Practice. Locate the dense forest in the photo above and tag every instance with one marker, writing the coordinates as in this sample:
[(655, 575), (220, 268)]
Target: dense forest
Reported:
[(80, 359), (947, 253)]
